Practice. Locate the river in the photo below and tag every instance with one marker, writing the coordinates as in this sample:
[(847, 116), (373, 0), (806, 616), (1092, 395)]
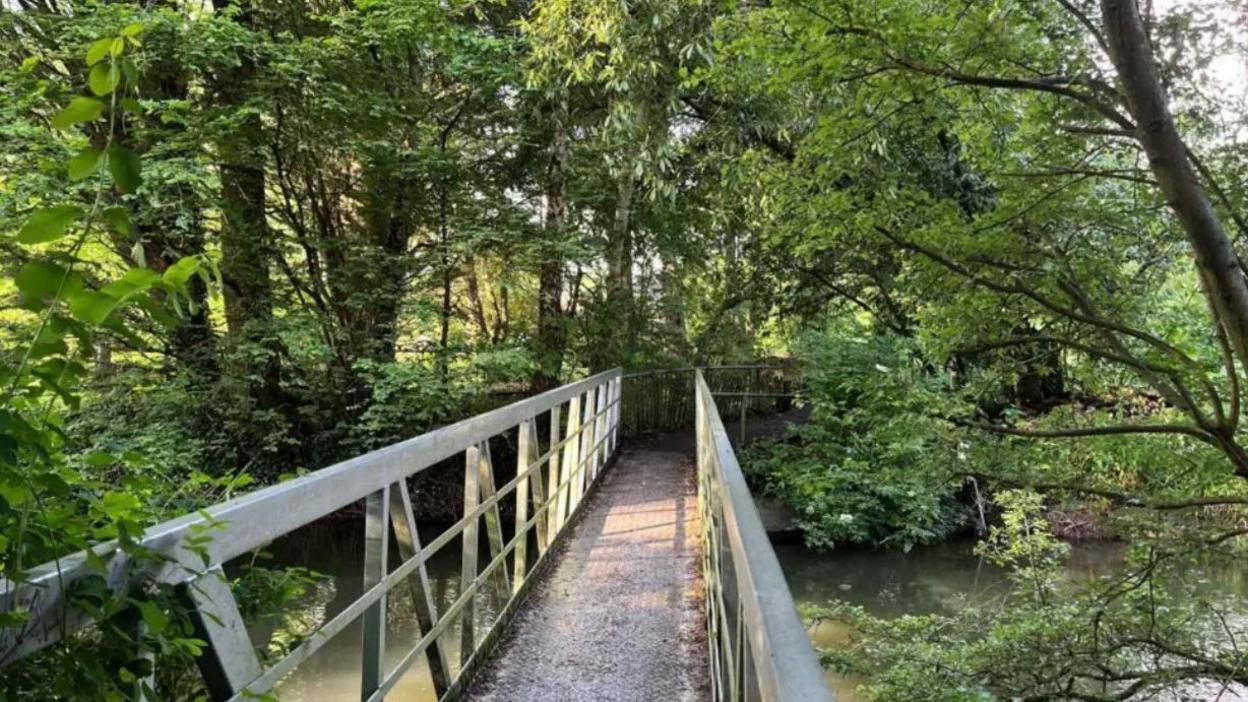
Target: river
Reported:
[(943, 579)]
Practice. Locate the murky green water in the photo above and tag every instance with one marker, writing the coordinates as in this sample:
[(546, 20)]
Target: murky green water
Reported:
[(943, 579)]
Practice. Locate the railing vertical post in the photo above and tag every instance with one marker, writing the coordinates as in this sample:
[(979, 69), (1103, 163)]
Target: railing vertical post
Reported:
[(584, 461), (552, 478), (537, 486), (745, 403), (493, 519), (468, 562), (738, 654), (522, 506), (376, 551), (600, 427), (617, 397), (571, 450)]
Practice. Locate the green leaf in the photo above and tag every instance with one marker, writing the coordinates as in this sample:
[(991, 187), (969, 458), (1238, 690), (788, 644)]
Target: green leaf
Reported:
[(48, 224), (39, 280), (133, 29), (119, 219), (134, 280), (80, 109), (99, 459), (179, 273), (15, 494), (52, 348), (84, 164), (119, 505), (154, 617), (98, 50), (92, 306), (125, 167), (130, 70), (132, 106), (104, 78)]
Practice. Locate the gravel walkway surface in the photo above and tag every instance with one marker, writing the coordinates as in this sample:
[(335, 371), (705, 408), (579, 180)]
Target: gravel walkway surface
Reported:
[(618, 615)]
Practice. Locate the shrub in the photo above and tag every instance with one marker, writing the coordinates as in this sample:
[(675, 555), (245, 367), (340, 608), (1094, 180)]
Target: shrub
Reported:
[(874, 465)]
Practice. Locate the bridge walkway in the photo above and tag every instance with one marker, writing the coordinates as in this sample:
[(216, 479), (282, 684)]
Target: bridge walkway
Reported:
[(619, 614)]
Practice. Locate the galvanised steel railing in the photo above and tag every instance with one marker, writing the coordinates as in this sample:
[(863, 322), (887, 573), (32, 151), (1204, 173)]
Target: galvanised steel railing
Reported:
[(759, 649), (662, 400), (190, 551)]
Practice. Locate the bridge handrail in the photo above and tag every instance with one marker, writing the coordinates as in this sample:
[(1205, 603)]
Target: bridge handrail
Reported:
[(243, 524), (662, 399), (755, 636)]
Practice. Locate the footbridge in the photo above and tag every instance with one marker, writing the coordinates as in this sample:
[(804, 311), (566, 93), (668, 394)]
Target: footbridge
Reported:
[(599, 560)]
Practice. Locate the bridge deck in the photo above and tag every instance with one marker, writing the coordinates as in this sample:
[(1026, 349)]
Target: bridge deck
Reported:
[(619, 613)]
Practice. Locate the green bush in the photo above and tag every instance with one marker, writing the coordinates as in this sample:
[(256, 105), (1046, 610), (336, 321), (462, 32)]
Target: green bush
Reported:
[(874, 465)]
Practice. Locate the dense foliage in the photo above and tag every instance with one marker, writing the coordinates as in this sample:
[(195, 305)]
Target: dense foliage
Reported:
[(248, 238), (876, 464)]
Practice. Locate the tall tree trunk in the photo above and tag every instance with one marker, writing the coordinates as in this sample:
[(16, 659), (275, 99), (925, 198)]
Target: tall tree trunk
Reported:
[(474, 299), (245, 238), (620, 239), (673, 308), (444, 243), (550, 314), (620, 313), (1170, 163), (447, 278)]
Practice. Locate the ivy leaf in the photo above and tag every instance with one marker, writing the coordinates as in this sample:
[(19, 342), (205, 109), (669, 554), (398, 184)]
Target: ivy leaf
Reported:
[(125, 167), (80, 109), (84, 164), (98, 50), (104, 78), (48, 224)]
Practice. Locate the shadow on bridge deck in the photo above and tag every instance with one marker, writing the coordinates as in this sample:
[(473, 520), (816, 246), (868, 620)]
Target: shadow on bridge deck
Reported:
[(619, 614)]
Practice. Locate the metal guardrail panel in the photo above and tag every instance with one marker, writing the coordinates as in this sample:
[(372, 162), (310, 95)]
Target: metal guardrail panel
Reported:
[(253, 520), (759, 648)]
